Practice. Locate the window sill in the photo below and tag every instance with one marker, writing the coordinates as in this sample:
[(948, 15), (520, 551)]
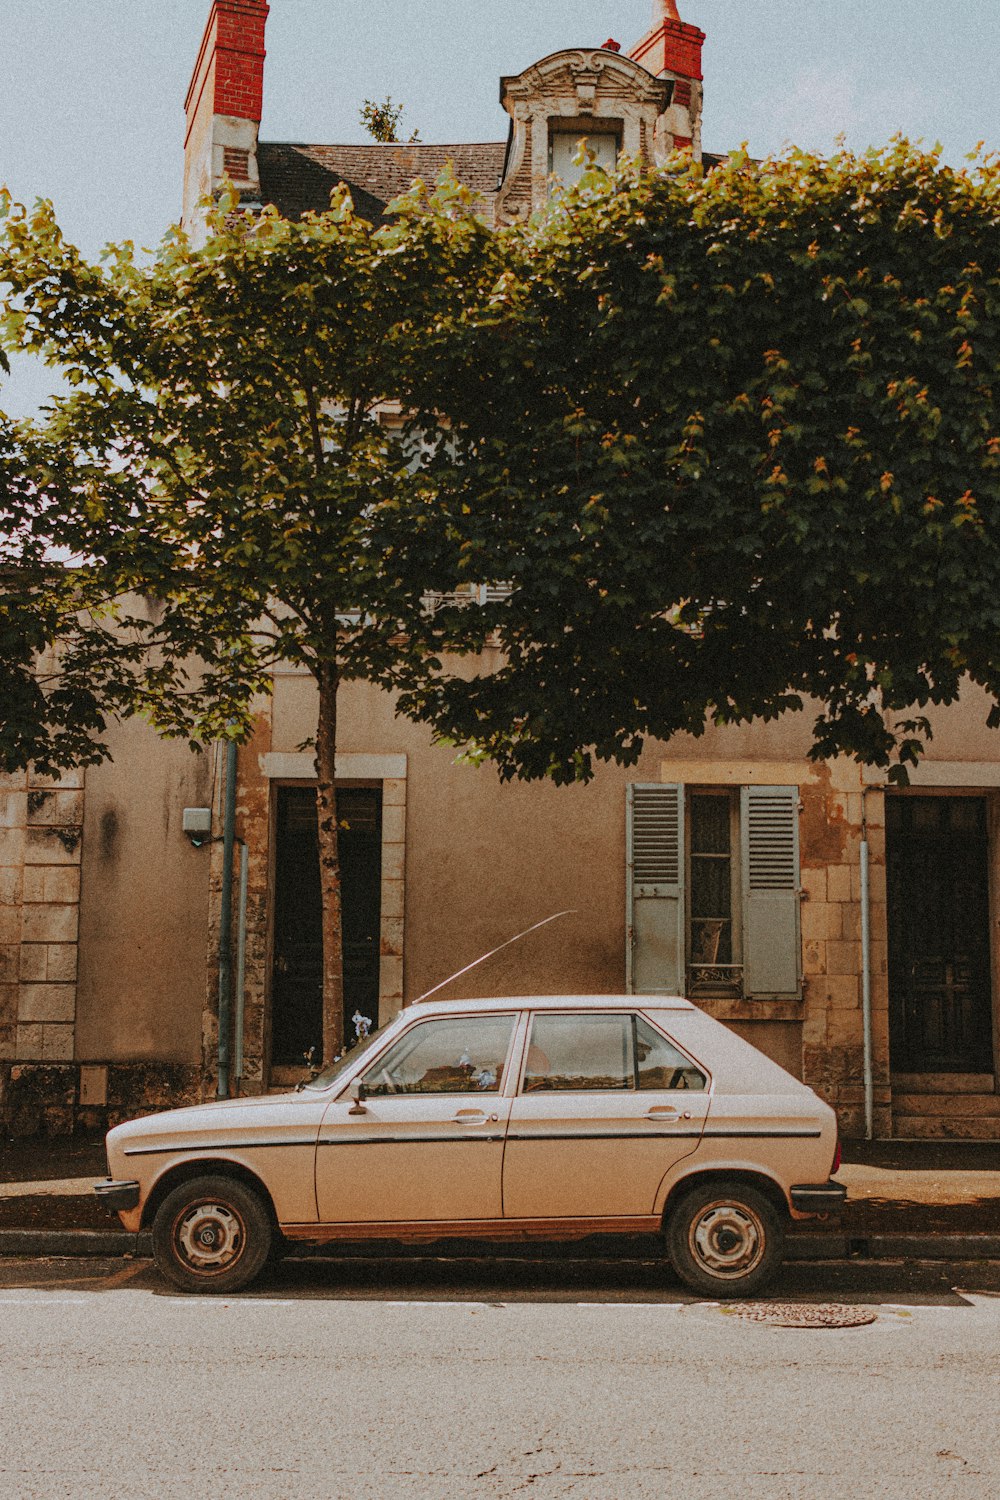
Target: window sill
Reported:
[(727, 1008)]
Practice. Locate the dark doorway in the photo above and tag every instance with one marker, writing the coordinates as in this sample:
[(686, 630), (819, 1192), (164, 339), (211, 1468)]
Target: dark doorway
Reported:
[(940, 999), (297, 987)]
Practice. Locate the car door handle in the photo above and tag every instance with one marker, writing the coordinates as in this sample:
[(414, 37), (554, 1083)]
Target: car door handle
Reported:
[(472, 1117), (665, 1112)]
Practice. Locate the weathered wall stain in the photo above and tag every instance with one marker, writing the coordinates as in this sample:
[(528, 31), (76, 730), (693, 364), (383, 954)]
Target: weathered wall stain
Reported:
[(109, 833), (823, 825)]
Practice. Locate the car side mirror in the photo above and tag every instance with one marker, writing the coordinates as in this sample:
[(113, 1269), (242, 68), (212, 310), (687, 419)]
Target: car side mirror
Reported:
[(357, 1094)]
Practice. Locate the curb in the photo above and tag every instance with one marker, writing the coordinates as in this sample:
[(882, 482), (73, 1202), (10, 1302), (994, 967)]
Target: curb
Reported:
[(801, 1247), (82, 1242), (27, 1243)]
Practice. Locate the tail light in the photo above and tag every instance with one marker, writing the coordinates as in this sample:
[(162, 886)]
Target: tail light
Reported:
[(837, 1157)]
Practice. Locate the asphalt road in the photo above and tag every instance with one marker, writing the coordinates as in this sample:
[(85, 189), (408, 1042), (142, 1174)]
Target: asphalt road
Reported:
[(450, 1380)]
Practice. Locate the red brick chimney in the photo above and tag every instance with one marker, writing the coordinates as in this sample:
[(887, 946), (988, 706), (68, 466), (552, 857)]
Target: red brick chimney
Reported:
[(672, 49), (223, 104)]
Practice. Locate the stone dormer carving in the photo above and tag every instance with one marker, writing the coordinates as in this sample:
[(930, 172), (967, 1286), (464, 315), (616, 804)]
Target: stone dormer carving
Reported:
[(594, 91)]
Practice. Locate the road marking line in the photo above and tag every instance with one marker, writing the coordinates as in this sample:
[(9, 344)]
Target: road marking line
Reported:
[(35, 1301), (517, 1302), (614, 1306), (236, 1301)]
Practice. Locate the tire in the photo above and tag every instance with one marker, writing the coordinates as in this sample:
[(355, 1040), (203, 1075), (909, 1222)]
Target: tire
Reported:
[(725, 1239), (212, 1234)]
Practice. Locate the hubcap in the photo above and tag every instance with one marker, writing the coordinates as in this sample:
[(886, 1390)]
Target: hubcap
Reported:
[(209, 1237), (727, 1239)]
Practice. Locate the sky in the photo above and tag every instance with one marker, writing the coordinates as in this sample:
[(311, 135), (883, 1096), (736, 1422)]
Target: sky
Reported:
[(92, 91)]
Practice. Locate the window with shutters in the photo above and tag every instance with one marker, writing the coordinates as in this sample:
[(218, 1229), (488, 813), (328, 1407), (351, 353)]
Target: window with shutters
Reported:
[(713, 891), (714, 927)]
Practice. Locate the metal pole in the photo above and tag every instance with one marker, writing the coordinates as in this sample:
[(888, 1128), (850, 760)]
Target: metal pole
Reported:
[(866, 977), (241, 965), (226, 920)]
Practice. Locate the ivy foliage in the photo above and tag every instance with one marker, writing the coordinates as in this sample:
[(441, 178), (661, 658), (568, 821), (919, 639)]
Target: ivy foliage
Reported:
[(734, 438)]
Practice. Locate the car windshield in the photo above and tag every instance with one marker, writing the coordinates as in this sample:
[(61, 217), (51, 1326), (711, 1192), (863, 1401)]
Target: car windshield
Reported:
[(333, 1070)]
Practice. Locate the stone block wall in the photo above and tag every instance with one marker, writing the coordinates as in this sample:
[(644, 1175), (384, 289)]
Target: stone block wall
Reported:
[(833, 814), (41, 836)]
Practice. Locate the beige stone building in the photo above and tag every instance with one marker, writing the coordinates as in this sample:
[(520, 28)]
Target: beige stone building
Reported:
[(848, 929)]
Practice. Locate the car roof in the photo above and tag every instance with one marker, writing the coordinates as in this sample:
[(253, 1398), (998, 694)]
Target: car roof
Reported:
[(555, 1002)]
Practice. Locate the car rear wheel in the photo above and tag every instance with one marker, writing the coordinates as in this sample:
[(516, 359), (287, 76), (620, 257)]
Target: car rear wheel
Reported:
[(212, 1234), (725, 1239)]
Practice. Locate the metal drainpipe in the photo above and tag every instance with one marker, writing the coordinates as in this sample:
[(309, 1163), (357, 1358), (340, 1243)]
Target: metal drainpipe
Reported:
[(866, 974), (226, 920), (241, 967)]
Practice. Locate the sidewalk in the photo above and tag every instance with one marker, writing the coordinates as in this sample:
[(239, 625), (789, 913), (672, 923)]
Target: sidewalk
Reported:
[(921, 1200)]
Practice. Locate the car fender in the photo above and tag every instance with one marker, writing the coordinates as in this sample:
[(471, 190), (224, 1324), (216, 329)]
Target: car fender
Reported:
[(182, 1167), (698, 1168)]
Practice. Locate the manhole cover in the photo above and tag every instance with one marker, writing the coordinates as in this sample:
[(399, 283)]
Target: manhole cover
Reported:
[(802, 1314)]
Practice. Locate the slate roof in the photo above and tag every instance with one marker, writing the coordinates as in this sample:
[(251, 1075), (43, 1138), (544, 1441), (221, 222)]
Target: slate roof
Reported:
[(297, 178)]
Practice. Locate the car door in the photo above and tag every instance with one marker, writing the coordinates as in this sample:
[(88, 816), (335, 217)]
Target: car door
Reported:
[(606, 1105), (426, 1143)]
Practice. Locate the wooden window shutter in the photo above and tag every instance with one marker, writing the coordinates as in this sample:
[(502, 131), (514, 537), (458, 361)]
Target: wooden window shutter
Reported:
[(654, 959), (769, 834)]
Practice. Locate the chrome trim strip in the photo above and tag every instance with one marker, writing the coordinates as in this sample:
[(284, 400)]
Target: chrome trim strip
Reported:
[(603, 1135), (405, 1140), (215, 1146), (512, 1135)]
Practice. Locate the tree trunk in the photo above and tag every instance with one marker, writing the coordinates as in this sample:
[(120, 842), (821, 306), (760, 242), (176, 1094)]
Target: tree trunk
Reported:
[(329, 864)]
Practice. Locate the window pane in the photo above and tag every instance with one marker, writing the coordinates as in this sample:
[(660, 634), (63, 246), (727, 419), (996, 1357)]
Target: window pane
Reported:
[(660, 1065), (711, 941), (709, 825), (579, 1052), (566, 144), (460, 1055), (711, 895), (711, 887)]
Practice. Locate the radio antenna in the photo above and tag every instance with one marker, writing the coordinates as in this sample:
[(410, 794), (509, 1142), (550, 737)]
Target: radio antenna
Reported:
[(483, 957)]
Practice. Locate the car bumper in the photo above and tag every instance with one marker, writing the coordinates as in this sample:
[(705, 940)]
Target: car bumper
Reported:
[(118, 1197), (818, 1197)]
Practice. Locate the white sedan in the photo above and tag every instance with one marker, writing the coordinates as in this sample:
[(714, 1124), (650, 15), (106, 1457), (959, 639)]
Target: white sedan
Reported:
[(541, 1118)]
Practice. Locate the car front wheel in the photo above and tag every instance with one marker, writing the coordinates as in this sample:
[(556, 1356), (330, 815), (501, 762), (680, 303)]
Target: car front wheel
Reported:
[(725, 1239), (212, 1234)]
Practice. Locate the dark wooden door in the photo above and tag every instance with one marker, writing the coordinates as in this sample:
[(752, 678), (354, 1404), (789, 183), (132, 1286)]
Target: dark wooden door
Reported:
[(940, 1000), (297, 980)]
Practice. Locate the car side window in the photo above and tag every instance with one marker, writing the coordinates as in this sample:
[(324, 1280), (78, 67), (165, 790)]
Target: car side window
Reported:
[(658, 1063), (586, 1053), (579, 1052), (454, 1055)]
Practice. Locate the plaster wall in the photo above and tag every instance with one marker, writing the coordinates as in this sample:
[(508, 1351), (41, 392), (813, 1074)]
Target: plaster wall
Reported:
[(144, 904)]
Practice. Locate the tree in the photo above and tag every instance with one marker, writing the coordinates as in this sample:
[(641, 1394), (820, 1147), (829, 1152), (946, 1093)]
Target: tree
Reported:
[(225, 453), (733, 437), (382, 120), (730, 439), (53, 710)]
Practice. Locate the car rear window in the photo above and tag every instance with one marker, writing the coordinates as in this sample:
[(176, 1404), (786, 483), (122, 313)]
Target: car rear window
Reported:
[(586, 1053)]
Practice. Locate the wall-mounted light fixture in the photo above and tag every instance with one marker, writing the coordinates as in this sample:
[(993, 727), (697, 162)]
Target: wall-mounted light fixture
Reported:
[(197, 824)]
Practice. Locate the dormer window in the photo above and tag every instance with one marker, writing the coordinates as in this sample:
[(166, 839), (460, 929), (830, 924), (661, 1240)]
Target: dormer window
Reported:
[(589, 94), (564, 148)]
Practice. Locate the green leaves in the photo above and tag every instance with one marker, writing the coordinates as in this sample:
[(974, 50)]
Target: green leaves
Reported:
[(729, 361), (226, 449), (730, 438)]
